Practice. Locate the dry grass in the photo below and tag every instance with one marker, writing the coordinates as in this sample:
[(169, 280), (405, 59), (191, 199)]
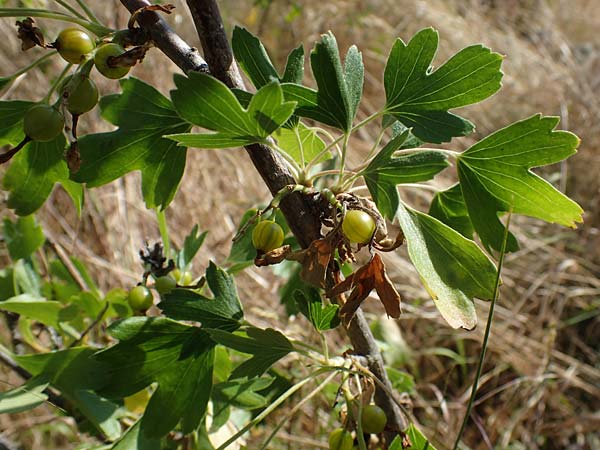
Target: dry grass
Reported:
[(541, 382)]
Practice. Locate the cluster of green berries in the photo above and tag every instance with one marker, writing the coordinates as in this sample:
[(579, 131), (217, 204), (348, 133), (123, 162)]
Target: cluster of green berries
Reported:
[(45, 122)]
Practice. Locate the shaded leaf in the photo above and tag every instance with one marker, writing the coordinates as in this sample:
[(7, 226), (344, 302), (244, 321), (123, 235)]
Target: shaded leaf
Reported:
[(132, 439), (267, 347), (370, 276), (495, 177), (449, 207), (178, 357), (11, 125), (420, 98), (252, 57), (23, 237), (452, 268), (207, 102), (143, 116), (33, 173)]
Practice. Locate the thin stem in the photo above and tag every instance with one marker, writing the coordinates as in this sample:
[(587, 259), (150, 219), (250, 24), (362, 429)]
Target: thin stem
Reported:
[(164, 231), (295, 409), (428, 187), (343, 162), (97, 29), (282, 398), (35, 63), (486, 335), (70, 9), (88, 11), (324, 173), (56, 83), (300, 146)]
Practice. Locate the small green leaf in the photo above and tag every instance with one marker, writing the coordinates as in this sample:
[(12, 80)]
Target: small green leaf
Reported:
[(267, 347), (417, 439), (339, 87), (420, 98), (449, 207), (68, 370), (294, 67), (301, 143), (191, 245), (452, 268), (323, 317), (385, 172), (252, 57), (28, 396), (143, 116), (206, 102), (32, 174), (23, 237), (495, 177), (11, 126)]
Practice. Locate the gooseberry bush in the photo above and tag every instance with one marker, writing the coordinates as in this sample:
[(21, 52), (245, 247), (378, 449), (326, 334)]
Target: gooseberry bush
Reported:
[(175, 377)]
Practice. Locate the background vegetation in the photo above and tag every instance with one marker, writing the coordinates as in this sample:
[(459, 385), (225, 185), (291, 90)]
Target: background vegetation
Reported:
[(541, 383)]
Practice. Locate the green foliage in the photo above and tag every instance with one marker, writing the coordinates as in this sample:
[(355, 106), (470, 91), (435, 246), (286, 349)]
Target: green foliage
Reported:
[(179, 358), (33, 173), (205, 101), (495, 177), (27, 396), (267, 347), (143, 116), (23, 237), (202, 351), (339, 86), (386, 171), (453, 269), (421, 98)]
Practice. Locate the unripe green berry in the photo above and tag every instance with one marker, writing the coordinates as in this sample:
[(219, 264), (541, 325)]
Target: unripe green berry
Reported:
[(267, 236), (358, 226), (43, 123), (74, 44)]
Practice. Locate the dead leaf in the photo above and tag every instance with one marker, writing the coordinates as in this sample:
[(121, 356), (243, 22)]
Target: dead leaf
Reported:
[(315, 261), (29, 34), (362, 282), (272, 257)]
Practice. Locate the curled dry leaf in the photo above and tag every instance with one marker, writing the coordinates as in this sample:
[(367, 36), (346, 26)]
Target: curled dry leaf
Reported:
[(273, 257), (131, 57), (166, 8), (362, 282), (29, 34), (315, 261)]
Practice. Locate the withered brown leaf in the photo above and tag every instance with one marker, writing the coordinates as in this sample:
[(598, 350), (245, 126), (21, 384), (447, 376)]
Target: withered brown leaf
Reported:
[(370, 276), (315, 260), (29, 34)]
